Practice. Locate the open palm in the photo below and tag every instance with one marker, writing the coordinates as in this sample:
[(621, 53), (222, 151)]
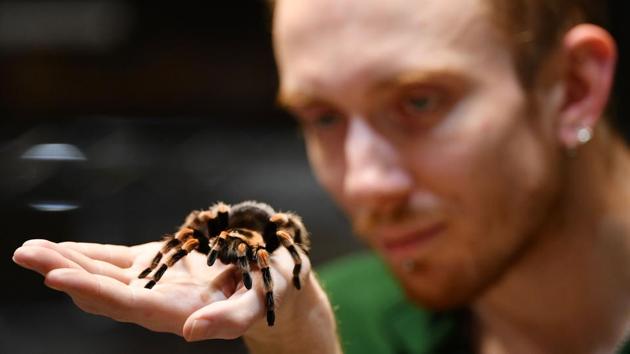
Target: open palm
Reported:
[(102, 279)]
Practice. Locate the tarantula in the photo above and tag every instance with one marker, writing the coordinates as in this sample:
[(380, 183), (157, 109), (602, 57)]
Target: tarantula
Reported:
[(243, 234)]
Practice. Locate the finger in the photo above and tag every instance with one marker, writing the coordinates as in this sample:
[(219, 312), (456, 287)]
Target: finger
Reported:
[(41, 259), (109, 297), (121, 256), (87, 263), (233, 317), (226, 319)]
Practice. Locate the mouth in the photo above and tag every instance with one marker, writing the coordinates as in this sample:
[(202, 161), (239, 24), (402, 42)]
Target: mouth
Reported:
[(400, 244)]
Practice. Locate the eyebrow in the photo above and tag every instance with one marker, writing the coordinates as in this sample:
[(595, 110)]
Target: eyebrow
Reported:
[(294, 100), (415, 77)]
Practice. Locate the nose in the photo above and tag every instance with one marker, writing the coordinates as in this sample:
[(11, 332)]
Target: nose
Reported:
[(375, 176)]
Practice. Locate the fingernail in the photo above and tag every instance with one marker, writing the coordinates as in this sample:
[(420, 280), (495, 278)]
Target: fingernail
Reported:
[(17, 259), (200, 330)]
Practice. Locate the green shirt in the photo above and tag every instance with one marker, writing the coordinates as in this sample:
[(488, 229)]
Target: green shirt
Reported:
[(374, 316)]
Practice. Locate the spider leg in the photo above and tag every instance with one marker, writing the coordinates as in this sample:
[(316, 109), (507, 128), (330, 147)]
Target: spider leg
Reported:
[(263, 263), (287, 241), (217, 219), (170, 242), (188, 246), (216, 246), (243, 264), (180, 237)]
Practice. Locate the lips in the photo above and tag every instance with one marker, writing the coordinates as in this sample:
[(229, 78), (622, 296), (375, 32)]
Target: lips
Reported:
[(401, 243)]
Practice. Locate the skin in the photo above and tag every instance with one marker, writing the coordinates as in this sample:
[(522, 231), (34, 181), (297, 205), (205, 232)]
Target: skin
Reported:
[(192, 300), (459, 178), (419, 134), (417, 125)]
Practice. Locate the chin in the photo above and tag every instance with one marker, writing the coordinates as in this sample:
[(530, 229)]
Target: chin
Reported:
[(444, 302), (440, 293)]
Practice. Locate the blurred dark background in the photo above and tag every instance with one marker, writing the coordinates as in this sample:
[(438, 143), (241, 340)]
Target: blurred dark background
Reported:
[(117, 118)]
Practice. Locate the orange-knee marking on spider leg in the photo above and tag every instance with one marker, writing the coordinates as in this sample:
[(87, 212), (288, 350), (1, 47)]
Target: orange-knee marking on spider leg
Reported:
[(263, 263), (287, 241), (190, 245), (263, 258), (184, 233), (280, 218), (285, 238), (223, 235), (243, 264), (170, 242), (241, 249), (206, 215), (216, 244)]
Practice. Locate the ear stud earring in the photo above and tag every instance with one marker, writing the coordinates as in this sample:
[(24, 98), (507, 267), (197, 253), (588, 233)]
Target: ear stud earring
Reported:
[(584, 135)]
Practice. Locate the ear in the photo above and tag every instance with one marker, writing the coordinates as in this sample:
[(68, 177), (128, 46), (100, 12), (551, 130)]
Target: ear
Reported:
[(590, 56)]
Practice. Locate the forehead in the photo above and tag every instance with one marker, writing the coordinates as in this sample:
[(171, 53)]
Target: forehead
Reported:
[(337, 42), (338, 14)]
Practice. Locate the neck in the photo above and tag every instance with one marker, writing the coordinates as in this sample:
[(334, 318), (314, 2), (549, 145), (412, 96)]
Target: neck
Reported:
[(569, 292)]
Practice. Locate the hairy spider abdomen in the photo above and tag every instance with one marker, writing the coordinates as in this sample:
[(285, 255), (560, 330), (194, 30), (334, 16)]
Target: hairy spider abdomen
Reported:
[(250, 215)]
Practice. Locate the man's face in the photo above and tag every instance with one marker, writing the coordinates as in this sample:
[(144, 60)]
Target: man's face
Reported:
[(415, 122)]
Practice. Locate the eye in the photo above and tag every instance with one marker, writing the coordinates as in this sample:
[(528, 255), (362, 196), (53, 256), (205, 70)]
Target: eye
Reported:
[(417, 109), (421, 103), (415, 105), (326, 119), (319, 118)]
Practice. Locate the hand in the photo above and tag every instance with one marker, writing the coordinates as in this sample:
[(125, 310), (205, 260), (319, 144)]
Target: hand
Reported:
[(191, 300)]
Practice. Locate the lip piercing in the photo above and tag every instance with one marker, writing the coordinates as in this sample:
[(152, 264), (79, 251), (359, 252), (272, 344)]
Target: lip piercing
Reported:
[(408, 265)]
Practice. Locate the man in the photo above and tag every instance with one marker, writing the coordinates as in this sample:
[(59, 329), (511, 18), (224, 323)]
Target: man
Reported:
[(468, 146)]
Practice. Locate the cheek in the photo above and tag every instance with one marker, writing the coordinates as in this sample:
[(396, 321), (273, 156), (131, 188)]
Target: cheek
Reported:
[(328, 167), (497, 182), (486, 163), (496, 189)]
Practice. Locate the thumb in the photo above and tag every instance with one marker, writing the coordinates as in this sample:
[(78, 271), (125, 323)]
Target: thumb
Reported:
[(226, 319)]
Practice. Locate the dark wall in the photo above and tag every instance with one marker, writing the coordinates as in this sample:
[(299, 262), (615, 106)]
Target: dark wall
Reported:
[(621, 31), (172, 108)]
